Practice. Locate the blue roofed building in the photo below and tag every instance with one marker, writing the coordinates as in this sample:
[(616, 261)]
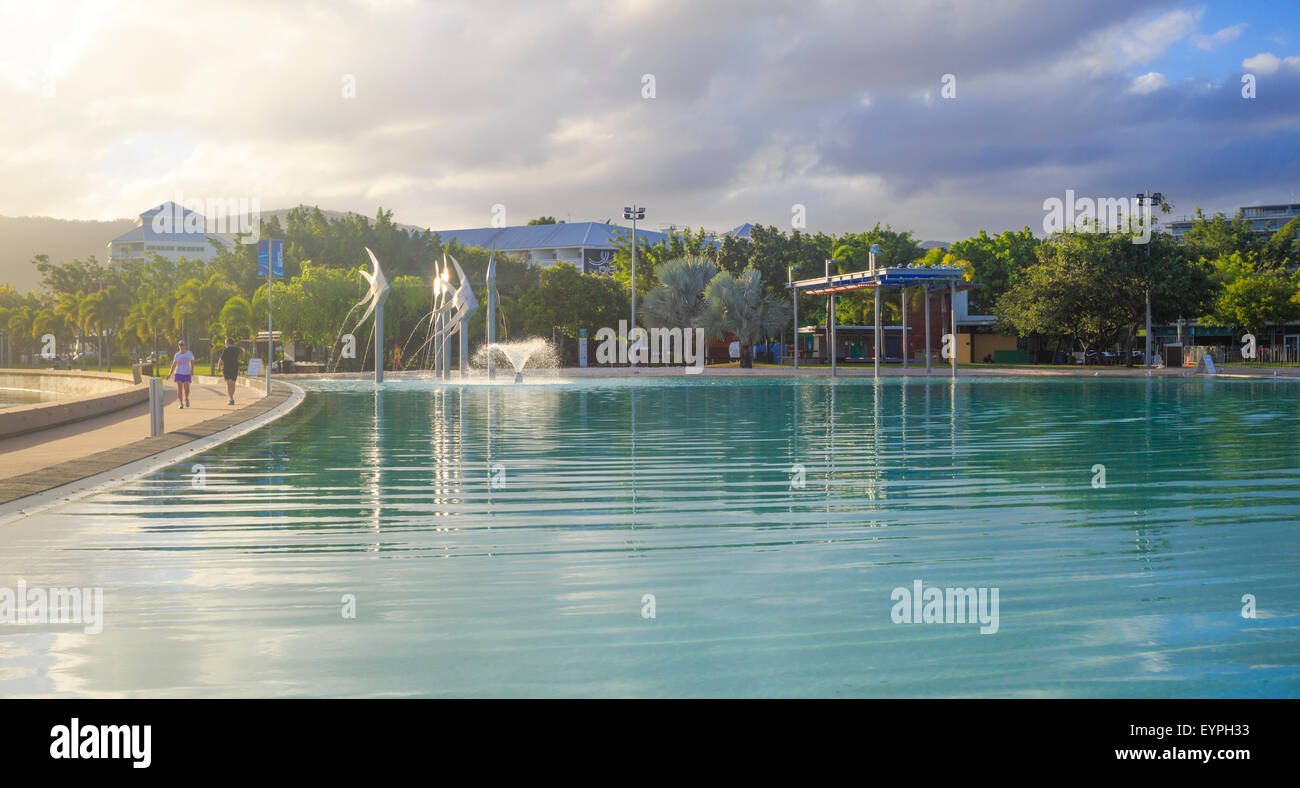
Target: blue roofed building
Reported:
[(192, 243), (589, 246)]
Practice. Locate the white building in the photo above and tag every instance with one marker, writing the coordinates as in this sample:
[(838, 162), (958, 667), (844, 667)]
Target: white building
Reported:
[(144, 238)]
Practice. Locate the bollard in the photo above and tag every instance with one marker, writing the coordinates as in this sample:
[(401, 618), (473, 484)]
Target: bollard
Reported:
[(155, 407)]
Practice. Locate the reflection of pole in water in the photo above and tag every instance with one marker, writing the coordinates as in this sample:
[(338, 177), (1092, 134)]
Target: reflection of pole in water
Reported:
[(876, 392), (902, 393), (377, 466), (489, 450), (952, 422), (632, 396)]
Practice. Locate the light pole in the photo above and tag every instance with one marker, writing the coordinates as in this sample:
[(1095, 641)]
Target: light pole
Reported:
[(789, 275), (1156, 197), (634, 212)]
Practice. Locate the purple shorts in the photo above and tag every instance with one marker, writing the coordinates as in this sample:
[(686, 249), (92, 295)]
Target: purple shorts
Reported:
[(182, 378)]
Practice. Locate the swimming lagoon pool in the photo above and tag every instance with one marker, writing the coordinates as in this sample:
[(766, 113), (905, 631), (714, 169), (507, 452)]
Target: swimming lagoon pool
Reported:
[(694, 537)]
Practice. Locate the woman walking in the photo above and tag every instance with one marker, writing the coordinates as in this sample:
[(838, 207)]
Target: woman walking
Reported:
[(183, 367)]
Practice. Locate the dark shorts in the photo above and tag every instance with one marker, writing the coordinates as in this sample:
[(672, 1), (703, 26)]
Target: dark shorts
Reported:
[(182, 378), (230, 377)]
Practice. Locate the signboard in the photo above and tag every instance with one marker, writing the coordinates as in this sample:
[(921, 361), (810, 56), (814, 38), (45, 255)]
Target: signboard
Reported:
[(582, 347), (272, 251), (598, 261), (254, 367)]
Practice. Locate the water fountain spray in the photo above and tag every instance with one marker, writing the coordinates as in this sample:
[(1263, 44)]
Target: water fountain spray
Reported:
[(492, 314)]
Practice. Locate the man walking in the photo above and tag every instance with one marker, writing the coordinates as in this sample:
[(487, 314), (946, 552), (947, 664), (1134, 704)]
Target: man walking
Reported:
[(183, 366), (228, 365)]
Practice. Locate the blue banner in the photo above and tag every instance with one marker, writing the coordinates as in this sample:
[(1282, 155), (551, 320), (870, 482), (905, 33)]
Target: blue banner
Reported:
[(272, 251)]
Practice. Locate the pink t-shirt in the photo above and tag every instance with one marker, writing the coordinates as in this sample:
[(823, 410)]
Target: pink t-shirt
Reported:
[(184, 363)]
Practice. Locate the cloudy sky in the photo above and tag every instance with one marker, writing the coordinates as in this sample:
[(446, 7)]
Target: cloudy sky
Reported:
[(441, 110)]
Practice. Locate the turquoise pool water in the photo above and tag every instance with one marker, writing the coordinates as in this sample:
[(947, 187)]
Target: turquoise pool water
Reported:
[(503, 540)]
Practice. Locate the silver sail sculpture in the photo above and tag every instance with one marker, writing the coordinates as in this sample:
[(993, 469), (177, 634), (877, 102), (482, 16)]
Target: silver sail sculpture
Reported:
[(375, 296), (452, 309)]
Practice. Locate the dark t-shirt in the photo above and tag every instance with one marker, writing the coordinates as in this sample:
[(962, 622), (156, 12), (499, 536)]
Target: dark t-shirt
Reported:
[(230, 362)]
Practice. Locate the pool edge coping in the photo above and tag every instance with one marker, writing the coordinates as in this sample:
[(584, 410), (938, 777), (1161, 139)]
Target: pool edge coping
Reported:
[(41, 501)]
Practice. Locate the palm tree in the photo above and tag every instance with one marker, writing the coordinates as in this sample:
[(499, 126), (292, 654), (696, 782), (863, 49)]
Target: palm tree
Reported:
[(237, 317), (46, 322), (67, 308), (678, 300), (20, 322), (186, 311), (741, 306), (147, 320), (90, 317)]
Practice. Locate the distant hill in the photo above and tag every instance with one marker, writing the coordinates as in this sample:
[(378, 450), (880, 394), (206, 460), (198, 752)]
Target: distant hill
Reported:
[(24, 237)]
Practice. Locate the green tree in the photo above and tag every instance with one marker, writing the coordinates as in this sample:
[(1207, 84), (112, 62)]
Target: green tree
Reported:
[(1092, 287), (743, 307), (567, 301), (678, 300), (236, 318), (1251, 298), (996, 262)]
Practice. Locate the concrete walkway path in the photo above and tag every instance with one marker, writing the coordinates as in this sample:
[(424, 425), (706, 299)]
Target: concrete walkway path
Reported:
[(49, 458)]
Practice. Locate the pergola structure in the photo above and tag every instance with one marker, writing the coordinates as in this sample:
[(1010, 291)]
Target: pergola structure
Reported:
[(881, 279)]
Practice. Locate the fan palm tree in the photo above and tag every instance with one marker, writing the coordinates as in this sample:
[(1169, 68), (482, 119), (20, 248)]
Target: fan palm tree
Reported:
[(741, 306), (678, 300)]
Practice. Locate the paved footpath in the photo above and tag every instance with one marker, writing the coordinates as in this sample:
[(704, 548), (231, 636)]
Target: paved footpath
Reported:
[(60, 455)]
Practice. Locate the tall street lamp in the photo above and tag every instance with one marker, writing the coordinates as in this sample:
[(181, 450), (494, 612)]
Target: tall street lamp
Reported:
[(634, 212), (1158, 199)]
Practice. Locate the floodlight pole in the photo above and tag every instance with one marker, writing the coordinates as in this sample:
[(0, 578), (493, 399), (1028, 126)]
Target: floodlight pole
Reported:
[(1149, 198), (794, 295), (633, 212)]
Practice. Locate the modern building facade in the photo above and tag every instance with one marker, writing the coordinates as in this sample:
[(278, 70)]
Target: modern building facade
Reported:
[(1262, 218)]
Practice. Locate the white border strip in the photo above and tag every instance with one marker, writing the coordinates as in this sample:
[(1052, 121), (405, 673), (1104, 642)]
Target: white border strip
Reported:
[(21, 508)]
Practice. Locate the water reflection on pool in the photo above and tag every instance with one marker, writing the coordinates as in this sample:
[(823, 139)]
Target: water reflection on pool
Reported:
[(516, 540)]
